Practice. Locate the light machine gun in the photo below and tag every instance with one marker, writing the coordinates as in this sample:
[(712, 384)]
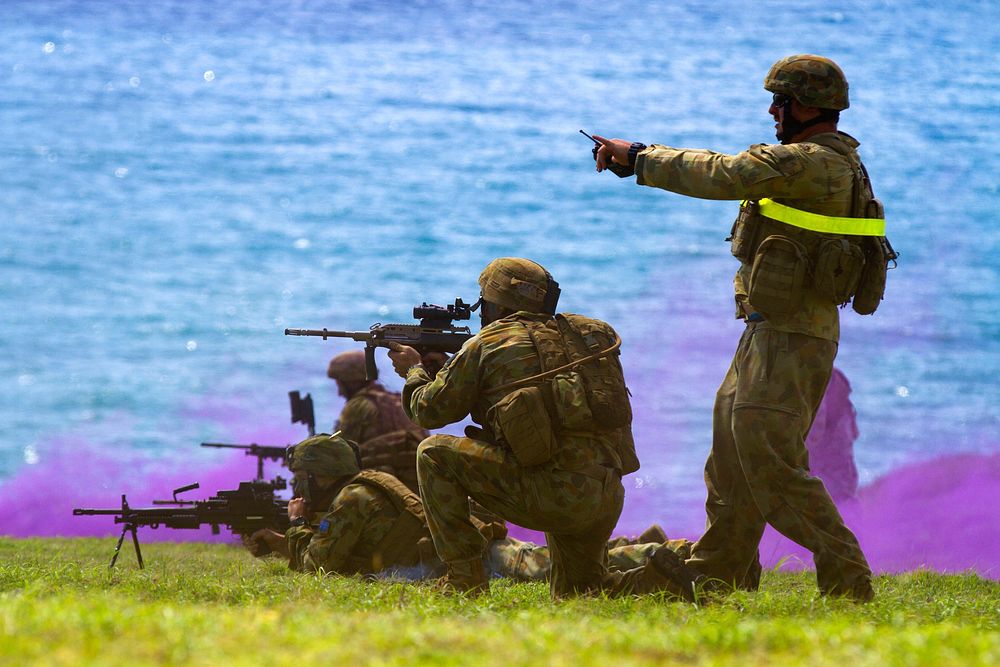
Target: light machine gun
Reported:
[(244, 510), (435, 333)]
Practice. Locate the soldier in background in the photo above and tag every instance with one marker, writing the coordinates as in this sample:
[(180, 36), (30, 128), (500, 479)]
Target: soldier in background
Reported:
[(797, 264), (373, 417)]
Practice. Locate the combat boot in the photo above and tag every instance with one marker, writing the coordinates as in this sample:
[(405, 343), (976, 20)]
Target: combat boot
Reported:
[(859, 591), (465, 576), (654, 533), (674, 576)]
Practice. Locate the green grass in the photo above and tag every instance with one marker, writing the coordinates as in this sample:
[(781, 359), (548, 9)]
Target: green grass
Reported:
[(210, 604)]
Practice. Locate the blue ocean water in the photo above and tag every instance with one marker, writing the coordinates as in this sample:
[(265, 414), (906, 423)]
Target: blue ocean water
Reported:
[(180, 181)]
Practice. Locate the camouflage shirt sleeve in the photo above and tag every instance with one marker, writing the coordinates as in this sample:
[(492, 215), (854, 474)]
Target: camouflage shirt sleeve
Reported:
[(356, 419), (330, 544), (450, 395), (763, 170)]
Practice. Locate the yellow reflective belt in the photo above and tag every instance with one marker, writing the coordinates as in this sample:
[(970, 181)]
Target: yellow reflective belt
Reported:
[(816, 222)]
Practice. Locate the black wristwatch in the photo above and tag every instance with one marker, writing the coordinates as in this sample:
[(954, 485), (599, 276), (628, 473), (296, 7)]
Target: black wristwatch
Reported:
[(633, 152), (297, 522)]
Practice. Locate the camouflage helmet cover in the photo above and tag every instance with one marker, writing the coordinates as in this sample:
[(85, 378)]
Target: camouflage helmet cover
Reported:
[(348, 367), (324, 454), (515, 283), (814, 81)]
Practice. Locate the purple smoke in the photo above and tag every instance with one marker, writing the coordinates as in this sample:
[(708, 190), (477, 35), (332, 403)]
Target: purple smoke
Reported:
[(39, 500), (940, 514)]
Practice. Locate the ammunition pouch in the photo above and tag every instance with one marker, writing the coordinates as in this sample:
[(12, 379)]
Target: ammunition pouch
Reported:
[(522, 421), (878, 253), (569, 398), (778, 276), (743, 236), (838, 269)]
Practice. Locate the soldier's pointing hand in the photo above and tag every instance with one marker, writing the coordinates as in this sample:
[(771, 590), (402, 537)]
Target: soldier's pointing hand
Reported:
[(616, 149)]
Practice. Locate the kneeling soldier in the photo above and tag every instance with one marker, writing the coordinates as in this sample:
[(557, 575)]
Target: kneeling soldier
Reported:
[(549, 392)]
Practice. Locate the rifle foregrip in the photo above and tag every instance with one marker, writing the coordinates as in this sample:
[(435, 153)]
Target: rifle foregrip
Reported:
[(371, 370)]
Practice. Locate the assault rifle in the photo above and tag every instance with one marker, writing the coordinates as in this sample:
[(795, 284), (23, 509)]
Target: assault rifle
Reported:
[(302, 413), (435, 333), (244, 510)]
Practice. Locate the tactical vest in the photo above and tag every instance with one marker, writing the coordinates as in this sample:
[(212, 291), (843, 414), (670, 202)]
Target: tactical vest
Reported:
[(395, 453), (399, 546), (791, 251), (390, 409), (585, 398)]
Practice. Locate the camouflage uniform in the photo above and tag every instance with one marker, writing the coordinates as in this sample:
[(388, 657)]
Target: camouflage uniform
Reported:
[(374, 418), (373, 523), (758, 470), (575, 498), (364, 532)]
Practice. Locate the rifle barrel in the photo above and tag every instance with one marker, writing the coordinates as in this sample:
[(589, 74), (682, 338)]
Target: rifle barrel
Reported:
[(326, 333)]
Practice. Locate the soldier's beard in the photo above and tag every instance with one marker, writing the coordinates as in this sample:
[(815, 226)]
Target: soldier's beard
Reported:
[(789, 127)]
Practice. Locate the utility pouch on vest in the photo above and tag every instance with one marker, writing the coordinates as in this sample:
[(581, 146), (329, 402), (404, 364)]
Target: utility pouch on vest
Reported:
[(569, 395), (778, 276), (744, 232), (602, 380), (522, 421), (839, 263), (878, 253)]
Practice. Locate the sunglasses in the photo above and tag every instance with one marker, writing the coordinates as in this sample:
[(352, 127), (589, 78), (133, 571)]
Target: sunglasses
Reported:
[(780, 99)]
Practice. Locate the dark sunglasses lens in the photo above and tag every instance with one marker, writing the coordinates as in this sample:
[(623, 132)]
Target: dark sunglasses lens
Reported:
[(780, 99)]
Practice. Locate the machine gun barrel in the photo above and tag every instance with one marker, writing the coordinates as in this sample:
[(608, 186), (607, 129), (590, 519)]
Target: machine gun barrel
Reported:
[(244, 510)]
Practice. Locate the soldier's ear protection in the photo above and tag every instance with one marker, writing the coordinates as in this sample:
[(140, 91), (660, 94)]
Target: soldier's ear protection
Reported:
[(552, 293)]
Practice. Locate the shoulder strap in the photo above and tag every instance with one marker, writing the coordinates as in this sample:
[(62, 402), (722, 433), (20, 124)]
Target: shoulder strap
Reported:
[(399, 546)]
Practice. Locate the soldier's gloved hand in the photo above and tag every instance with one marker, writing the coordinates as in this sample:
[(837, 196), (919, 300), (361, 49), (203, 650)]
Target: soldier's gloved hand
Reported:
[(403, 358), (433, 362), (256, 544), (616, 149)]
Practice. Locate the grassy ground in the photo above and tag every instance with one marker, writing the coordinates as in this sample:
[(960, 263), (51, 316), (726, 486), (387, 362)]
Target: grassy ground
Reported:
[(209, 604)]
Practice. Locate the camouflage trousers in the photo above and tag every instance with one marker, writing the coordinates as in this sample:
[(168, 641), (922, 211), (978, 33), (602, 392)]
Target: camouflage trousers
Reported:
[(758, 470), (525, 561), (577, 512)]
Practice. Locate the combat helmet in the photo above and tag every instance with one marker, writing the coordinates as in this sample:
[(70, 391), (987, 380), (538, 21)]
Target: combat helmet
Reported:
[(348, 367), (324, 454), (519, 284), (814, 81)]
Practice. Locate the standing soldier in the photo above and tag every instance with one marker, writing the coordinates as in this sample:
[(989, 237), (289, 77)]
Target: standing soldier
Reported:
[(809, 237), (373, 417), (549, 394)]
